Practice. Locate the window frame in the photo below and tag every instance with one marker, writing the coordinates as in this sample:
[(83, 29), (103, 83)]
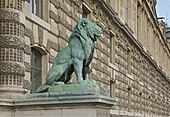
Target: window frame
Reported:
[(112, 47)]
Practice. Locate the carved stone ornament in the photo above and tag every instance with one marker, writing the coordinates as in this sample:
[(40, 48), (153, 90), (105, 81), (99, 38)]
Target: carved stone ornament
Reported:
[(12, 67), (11, 41), (9, 15)]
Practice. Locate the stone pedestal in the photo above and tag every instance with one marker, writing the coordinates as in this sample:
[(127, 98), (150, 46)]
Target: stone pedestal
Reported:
[(72, 100), (64, 106)]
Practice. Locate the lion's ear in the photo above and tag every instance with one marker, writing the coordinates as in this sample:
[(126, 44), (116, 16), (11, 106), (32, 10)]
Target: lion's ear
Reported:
[(82, 24)]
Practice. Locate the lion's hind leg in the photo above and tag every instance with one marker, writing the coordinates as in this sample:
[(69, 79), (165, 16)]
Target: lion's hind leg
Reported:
[(55, 73)]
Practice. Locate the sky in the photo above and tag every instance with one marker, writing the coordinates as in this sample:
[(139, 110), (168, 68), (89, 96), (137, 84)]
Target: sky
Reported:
[(163, 10)]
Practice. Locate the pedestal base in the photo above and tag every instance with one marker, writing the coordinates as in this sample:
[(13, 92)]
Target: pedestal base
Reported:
[(71, 100), (65, 106)]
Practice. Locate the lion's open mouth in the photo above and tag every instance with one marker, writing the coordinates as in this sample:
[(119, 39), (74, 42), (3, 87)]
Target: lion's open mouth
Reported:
[(96, 36)]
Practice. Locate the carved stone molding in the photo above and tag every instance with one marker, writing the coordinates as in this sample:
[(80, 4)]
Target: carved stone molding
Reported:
[(9, 15), (12, 68), (6, 41)]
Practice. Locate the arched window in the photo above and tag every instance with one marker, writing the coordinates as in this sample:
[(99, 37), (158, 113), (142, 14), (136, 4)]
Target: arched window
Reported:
[(36, 69)]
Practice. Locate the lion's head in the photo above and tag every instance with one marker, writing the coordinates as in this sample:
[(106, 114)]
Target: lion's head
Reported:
[(88, 29)]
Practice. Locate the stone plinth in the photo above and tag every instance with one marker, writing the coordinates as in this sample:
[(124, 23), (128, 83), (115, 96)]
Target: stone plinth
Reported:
[(64, 106), (70, 100)]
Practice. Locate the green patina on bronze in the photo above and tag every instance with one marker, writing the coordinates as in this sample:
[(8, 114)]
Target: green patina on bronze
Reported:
[(75, 57)]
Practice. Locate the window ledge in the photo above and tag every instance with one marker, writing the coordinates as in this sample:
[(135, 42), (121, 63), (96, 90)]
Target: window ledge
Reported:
[(38, 21)]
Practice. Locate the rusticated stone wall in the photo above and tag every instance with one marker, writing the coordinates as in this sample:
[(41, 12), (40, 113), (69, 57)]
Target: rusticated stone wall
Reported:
[(12, 68), (126, 62)]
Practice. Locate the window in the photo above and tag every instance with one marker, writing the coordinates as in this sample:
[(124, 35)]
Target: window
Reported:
[(39, 8), (36, 69), (36, 7), (112, 47)]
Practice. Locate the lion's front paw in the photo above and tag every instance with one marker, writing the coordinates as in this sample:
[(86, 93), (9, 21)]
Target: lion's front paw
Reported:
[(81, 81)]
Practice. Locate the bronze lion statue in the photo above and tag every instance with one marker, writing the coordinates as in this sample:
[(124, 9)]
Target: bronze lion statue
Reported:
[(75, 57)]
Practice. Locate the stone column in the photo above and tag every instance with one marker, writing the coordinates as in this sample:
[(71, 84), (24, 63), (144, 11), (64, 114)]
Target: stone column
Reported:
[(12, 68)]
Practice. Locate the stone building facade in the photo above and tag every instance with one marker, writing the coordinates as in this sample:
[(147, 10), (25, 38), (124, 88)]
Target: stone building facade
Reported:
[(131, 61)]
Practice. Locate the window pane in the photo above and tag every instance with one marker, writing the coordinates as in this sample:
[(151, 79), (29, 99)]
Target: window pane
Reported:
[(37, 59), (36, 79), (31, 5), (37, 7), (34, 6), (36, 69)]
